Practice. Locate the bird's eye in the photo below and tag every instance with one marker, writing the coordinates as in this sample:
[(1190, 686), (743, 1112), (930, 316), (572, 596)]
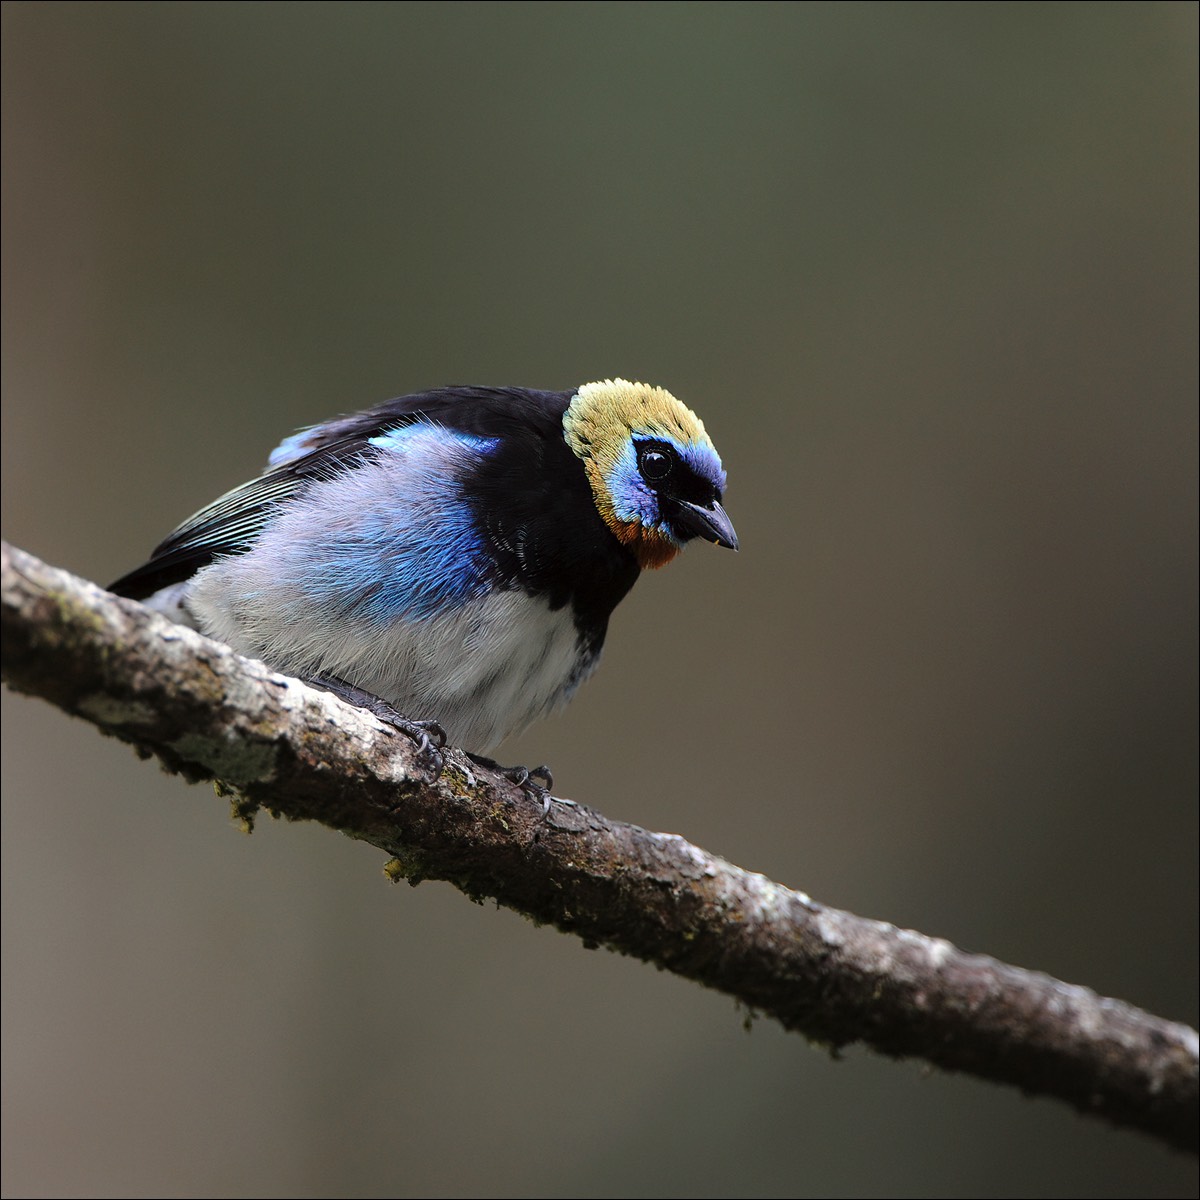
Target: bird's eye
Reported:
[(655, 464)]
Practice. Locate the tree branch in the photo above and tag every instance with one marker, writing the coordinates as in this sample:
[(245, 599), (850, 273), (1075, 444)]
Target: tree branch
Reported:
[(837, 978)]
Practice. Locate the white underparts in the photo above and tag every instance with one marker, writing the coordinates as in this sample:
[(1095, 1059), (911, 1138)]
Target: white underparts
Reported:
[(485, 670)]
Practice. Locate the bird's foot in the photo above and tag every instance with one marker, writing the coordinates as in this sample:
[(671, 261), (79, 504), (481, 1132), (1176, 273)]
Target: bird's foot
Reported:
[(535, 783), (429, 736)]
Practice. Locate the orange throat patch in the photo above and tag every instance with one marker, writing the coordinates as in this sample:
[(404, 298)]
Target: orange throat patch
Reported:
[(651, 548)]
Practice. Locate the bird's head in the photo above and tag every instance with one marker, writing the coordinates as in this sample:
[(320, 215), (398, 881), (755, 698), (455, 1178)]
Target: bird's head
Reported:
[(656, 477)]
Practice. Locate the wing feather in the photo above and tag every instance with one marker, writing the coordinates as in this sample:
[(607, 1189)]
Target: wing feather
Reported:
[(232, 523)]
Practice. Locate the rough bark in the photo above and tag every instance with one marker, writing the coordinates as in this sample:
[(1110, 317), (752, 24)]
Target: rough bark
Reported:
[(835, 977)]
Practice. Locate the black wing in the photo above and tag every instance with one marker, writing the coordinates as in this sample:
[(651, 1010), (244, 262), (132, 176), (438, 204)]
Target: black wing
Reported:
[(231, 524)]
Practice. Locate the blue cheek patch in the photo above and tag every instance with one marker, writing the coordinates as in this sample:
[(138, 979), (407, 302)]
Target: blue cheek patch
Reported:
[(632, 498)]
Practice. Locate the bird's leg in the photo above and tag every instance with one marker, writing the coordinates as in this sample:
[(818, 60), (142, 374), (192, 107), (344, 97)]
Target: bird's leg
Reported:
[(429, 736), (523, 777)]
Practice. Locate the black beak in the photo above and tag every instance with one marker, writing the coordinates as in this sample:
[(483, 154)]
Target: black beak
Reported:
[(709, 522)]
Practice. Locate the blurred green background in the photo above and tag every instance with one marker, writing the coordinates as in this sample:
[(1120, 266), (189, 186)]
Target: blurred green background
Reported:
[(928, 273)]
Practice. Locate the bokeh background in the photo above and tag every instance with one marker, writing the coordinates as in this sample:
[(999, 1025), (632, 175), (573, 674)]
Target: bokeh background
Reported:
[(927, 271)]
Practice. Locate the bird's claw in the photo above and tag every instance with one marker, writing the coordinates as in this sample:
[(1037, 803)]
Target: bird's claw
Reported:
[(524, 776), (528, 781), (535, 783), (429, 736)]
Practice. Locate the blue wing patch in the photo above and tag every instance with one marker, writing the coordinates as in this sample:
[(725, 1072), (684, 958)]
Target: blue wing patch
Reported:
[(393, 539), (416, 464)]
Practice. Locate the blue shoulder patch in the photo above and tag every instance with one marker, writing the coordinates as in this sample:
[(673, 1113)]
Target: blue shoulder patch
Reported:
[(400, 437), (392, 539)]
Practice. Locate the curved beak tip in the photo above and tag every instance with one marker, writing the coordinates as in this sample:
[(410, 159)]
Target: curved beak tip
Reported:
[(710, 522), (722, 528)]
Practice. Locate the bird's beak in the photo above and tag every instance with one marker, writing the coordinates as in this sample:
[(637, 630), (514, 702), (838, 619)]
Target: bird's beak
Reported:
[(710, 522)]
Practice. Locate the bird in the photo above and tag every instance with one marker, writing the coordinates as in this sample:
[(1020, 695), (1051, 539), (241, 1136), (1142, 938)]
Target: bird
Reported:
[(449, 559)]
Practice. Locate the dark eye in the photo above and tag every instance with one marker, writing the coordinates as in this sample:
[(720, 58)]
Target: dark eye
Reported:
[(654, 463)]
